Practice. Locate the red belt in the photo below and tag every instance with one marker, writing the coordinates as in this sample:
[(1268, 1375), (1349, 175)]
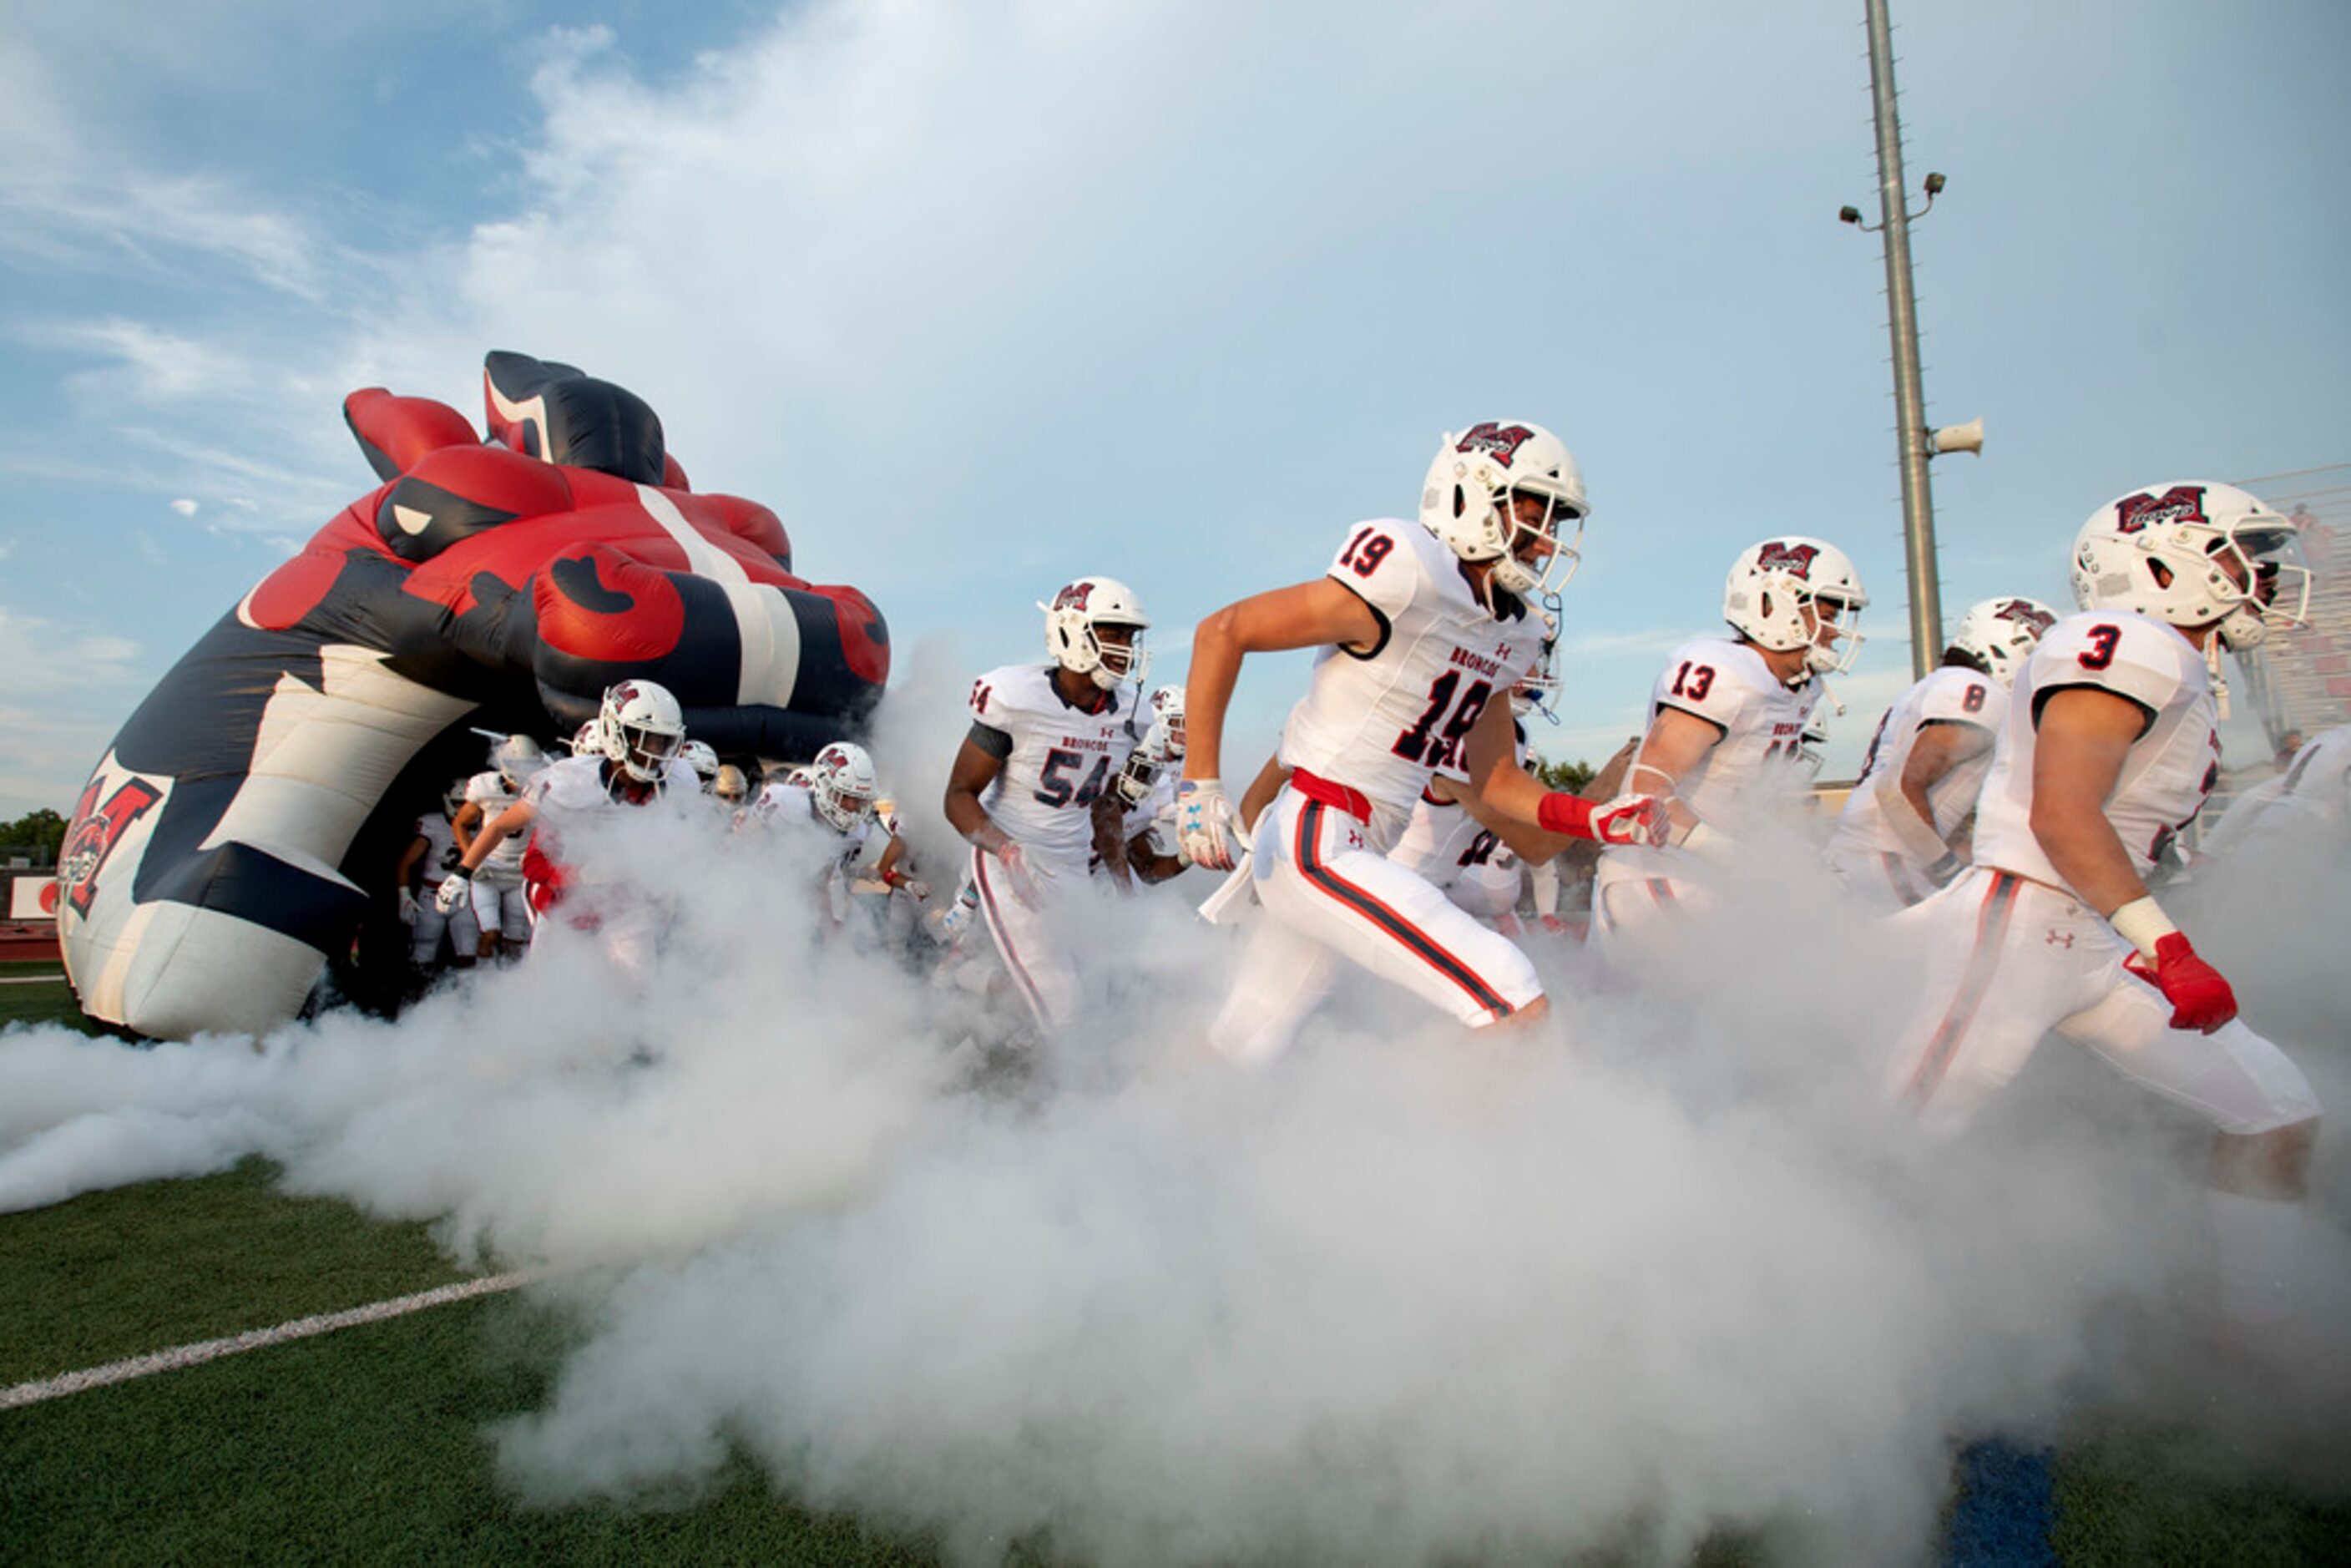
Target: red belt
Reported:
[(1354, 802)]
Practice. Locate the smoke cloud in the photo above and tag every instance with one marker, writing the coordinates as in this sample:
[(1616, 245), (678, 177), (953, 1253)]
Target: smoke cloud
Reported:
[(1671, 1267)]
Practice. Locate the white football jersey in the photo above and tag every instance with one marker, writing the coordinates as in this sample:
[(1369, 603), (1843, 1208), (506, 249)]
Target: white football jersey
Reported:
[(788, 805), (1948, 696), (1442, 840), (2170, 769), (440, 846), (1384, 721), (1064, 758), (489, 791), (1753, 769), (2309, 804)]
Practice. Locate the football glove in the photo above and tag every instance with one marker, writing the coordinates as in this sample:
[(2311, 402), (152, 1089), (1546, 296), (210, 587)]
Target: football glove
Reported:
[(1204, 824), (1627, 820), (2201, 997), (453, 890), (407, 907)]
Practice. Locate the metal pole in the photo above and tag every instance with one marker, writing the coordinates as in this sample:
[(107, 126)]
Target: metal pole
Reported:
[(1901, 322)]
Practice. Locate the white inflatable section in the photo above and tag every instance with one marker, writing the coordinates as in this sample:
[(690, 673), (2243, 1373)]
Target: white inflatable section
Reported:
[(324, 756)]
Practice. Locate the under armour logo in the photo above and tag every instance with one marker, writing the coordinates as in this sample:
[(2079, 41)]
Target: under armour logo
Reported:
[(2057, 938)]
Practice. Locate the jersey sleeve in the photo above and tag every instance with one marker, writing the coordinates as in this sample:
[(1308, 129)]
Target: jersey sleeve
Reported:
[(994, 698), (1697, 682), (483, 787), (2124, 654), (1962, 696), (1377, 565)]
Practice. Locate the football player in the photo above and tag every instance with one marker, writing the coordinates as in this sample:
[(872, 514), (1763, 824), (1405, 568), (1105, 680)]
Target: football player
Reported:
[(638, 730), (428, 862), (2109, 749), (1422, 629), (499, 907), (841, 798), (1726, 729), (1031, 788), (1146, 787), (2306, 809), (1919, 781), (698, 757)]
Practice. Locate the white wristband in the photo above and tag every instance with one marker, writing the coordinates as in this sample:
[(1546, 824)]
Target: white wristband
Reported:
[(1702, 839), (2142, 923)]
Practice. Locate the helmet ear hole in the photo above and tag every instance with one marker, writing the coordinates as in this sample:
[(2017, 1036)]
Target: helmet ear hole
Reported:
[(1460, 500)]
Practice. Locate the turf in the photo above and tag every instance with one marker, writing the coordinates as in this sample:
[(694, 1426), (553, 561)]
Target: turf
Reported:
[(41, 1003), (144, 1268), (2156, 1498), (365, 1446)]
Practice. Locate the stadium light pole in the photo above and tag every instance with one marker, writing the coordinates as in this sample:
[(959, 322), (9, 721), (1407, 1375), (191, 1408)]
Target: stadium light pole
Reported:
[(1902, 321)]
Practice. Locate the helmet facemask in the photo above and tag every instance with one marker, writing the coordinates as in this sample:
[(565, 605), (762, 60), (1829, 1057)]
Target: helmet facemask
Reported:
[(1115, 662), (1836, 656), (1559, 552), (2278, 592)]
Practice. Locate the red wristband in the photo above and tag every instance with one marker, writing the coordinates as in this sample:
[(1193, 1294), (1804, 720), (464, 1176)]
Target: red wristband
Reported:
[(1564, 813)]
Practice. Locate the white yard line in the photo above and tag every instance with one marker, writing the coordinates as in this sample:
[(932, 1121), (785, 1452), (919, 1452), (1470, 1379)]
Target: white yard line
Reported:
[(46, 1388)]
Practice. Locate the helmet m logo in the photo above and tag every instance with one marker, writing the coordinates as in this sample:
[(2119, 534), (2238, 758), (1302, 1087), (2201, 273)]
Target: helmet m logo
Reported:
[(2024, 614), (1501, 440), (1778, 555), (96, 831), (2180, 504), (1074, 597)]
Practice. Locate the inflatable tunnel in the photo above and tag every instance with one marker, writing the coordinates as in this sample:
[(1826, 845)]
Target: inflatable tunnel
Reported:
[(233, 836)]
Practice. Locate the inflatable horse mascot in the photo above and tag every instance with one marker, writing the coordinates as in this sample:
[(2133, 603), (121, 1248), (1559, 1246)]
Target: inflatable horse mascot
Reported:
[(234, 835)]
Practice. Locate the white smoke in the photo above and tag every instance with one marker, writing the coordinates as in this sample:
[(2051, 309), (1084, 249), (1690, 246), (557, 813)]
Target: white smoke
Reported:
[(1668, 1268)]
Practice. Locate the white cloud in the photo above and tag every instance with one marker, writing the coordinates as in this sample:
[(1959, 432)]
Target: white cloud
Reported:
[(79, 685), (184, 506)]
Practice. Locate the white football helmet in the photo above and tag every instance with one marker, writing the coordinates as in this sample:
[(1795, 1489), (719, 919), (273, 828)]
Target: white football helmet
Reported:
[(452, 798), (1774, 591), (1468, 502), (1074, 625), (2000, 634), (2192, 554), (642, 729), (1167, 736), (698, 756), (843, 784), (587, 740), (516, 758)]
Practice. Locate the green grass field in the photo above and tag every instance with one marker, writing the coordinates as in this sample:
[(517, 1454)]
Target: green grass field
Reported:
[(367, 1444)]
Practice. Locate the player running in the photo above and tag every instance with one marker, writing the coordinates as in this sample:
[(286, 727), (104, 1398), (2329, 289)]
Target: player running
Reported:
[(2109, 749), (500, 908), (1031, 786), (640, 728), (1899, 832), (1420, 628), (1725, 737)]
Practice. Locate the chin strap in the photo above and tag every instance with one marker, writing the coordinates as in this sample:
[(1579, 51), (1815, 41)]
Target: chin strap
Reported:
[(2220, 681)]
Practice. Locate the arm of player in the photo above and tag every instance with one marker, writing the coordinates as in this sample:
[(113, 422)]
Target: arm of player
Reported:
[(405, 882), (1260, 793), (514, 818), (1908, 811), (466, 824), (973, 771), (2085, 736), (1537, 821), (1676, 741), (1303, 615), (1109, 811)]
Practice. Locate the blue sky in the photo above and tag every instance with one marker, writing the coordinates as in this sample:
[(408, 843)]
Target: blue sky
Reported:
[(982, 297)]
